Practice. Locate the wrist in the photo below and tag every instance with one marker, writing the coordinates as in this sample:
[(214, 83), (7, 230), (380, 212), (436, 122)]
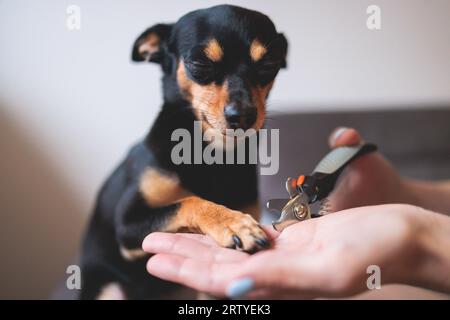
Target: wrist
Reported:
[(433, 196), (430, 264), (413, 192)]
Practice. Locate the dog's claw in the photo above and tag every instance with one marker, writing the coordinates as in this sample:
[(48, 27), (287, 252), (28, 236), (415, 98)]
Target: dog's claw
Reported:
[(239, 231), (252, 250), (262, 242), (237, 241)]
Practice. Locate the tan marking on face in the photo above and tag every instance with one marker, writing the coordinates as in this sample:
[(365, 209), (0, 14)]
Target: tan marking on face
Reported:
[(132, 254), (161, 189), (259, 95), (198, 215), (213, 50), (257, 50), (111, 291), (149, 45), (184, 82), (208, 101)]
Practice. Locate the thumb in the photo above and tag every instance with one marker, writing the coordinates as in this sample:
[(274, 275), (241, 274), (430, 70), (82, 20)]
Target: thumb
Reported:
[(272, 273), (343, 136)]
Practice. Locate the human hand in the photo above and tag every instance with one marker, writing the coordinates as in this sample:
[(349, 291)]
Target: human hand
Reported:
[(324, 257), (368, 180)]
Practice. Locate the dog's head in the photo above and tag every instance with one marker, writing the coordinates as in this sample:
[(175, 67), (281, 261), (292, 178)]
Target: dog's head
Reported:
[(223, 60)]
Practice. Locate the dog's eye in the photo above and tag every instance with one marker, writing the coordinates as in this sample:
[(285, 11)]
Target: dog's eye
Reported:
[(199, 66), (201, 71), (268, 69), (269, 66)]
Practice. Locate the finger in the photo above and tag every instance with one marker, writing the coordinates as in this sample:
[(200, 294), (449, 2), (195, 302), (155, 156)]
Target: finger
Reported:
[(294, 273), (271, 232), (343, 136), (271, 294), (186, 245), (159, 242), (210, 277), (200, 237), (195, 236)]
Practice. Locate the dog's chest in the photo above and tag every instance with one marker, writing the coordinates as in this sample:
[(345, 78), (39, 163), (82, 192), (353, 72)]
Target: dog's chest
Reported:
[(231, 185)]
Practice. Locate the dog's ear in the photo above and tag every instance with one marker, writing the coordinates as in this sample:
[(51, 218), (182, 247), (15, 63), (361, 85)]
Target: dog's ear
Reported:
[(283, 45), (147, 46)]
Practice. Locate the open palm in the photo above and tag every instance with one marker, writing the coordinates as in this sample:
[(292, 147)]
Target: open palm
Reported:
[(325, 257)]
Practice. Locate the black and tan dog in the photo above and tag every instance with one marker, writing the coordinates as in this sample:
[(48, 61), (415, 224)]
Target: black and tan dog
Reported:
[(219, 65)]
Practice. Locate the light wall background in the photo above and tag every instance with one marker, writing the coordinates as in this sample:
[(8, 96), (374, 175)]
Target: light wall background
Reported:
[(71, 102)]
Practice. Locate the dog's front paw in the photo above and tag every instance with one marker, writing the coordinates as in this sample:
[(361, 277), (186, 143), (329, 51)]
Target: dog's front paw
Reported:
[(234, 229)]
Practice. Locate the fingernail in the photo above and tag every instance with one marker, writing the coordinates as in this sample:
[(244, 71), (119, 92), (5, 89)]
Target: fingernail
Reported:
[(337, 133), (240, 288)]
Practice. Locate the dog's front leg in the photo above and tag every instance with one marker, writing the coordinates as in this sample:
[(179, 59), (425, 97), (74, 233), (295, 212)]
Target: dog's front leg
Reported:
[(135, 219), (230, 228)]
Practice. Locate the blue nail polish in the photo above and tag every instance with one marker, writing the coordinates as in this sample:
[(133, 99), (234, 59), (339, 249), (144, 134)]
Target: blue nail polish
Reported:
[(239, 288)]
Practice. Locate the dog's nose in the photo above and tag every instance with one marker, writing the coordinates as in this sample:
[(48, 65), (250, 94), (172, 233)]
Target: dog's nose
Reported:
[(240, 118)]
